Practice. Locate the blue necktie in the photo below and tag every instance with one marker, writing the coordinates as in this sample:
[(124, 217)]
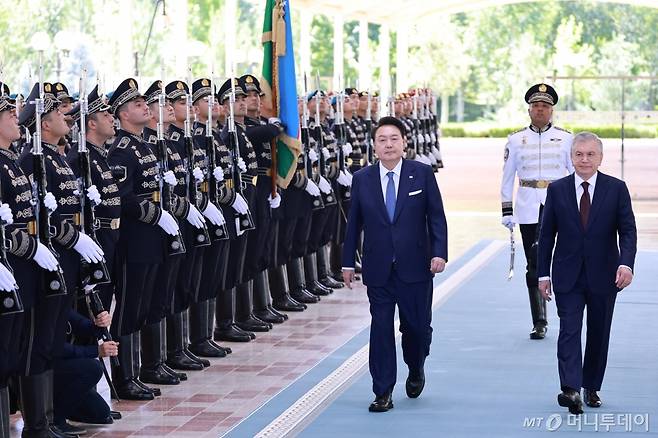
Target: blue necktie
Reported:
[(390, 196)]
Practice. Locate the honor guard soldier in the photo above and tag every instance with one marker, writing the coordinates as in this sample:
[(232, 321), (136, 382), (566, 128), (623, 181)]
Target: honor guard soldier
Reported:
[(66, 101), (202, 312), (26, 256), (243, 180), (260, 248), (99, 129), (538, 154), (194, 229), (44, 163), (144, 230), (356, 135)]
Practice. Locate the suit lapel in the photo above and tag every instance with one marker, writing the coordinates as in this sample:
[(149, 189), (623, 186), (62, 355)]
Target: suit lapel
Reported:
[(575, 208), (406, 177), (600, 190), (377, 190)]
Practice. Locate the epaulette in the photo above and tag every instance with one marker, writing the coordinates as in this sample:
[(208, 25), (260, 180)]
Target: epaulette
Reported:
[(152, 139), (175, 136), (518, 130), (198, 131), (562, 129), (125, 141)]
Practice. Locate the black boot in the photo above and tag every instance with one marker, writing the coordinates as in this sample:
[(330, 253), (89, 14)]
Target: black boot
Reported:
[(4, 412), (123, 376), (33, 406), (211, 326), (262, 308), (186, 341), (163, 352), (323, 270), (176, 357), (281, 299), (244, 316), (137, 348), (200, 346), (538, 311), (298, 283), (152, 370), (311, 273), (225, 328)]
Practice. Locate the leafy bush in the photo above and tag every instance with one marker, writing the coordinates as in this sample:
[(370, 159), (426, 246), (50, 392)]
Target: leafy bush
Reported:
[(485, 129)]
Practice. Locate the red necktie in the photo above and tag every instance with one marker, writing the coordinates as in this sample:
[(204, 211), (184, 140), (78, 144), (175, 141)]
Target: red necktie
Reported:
[(585, 204)]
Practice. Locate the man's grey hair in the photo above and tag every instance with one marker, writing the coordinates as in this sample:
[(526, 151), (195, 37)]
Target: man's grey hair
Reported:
[(584, 137)]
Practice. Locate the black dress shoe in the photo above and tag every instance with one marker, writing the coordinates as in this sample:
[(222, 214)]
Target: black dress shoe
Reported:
[(415, 383), (382, 403), (317, 288), (54, 432), (274, 311), (592, 399), (158, 376), (538, 332), (227, 350), (194, 357), (252, 324), (231, 333), (100, 422), (155, 391), (180, 361), (330, 282), (268, 316), (116, 415), (132, 391), (70, 429), (571, 399), (304, 296), (288, 304), (181, 376), (206, 349)]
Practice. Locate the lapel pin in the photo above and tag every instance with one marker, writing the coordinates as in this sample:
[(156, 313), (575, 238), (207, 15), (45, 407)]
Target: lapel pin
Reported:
[(411, 176)]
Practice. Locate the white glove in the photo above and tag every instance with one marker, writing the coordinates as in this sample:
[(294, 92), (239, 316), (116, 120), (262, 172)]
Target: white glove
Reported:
[(433, 137), (93, 195), (436, 153), (241, 165), (347, 148), (170, 178), (312, 155), (168, 223), (508, 221), (273, 120), (274, 202), (218, 173), (312, 189), (240, 205), (428, 139), (195, 218), (343, 179), (420, 138), (44, 258), (324, 185), (88, 249), (198, 174), (50, 202), (214, 215), (326, 153), (6, 215), (431, 157), (7, 280)]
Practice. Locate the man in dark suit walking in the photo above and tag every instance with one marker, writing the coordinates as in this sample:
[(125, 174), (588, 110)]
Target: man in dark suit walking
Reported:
[(589, 212), (398, 206)]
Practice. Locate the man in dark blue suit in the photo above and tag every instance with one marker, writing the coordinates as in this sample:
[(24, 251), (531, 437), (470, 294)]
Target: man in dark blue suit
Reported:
[(397, 205), (589, 212)]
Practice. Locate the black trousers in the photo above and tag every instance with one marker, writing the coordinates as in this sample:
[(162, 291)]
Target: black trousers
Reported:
[(261, 239), (74, 388), (162, 300), (213, 272), (11, 335), (529, 237), (135, 286)]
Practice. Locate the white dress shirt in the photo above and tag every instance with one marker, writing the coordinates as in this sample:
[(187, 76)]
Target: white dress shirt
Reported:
[(383, 178)]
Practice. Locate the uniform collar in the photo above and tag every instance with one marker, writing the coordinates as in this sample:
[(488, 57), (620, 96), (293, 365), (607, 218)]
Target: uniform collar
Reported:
[(9, 154), (101, 150), (533, 128)]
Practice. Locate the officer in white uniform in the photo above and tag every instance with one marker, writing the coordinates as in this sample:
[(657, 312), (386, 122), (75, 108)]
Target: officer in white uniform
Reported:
[(538, 154)]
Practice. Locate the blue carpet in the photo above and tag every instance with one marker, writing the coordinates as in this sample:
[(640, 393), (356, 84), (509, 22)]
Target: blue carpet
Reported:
[(486, 378)]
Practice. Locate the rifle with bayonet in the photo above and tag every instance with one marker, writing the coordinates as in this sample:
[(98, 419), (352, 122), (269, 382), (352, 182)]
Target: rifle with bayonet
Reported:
[(95, 272), (327, 198), (217, 232), (53, 281), (245, 221), (10, 300), (201, 235), (369, 148), (317, 203)]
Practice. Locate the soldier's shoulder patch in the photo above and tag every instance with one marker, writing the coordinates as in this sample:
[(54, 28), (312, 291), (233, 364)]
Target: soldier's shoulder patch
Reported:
[(120, 173), (562, 129), (517, 131), (506, 154), (175, 136), (152, 139), (123, 143), (198, 131)]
